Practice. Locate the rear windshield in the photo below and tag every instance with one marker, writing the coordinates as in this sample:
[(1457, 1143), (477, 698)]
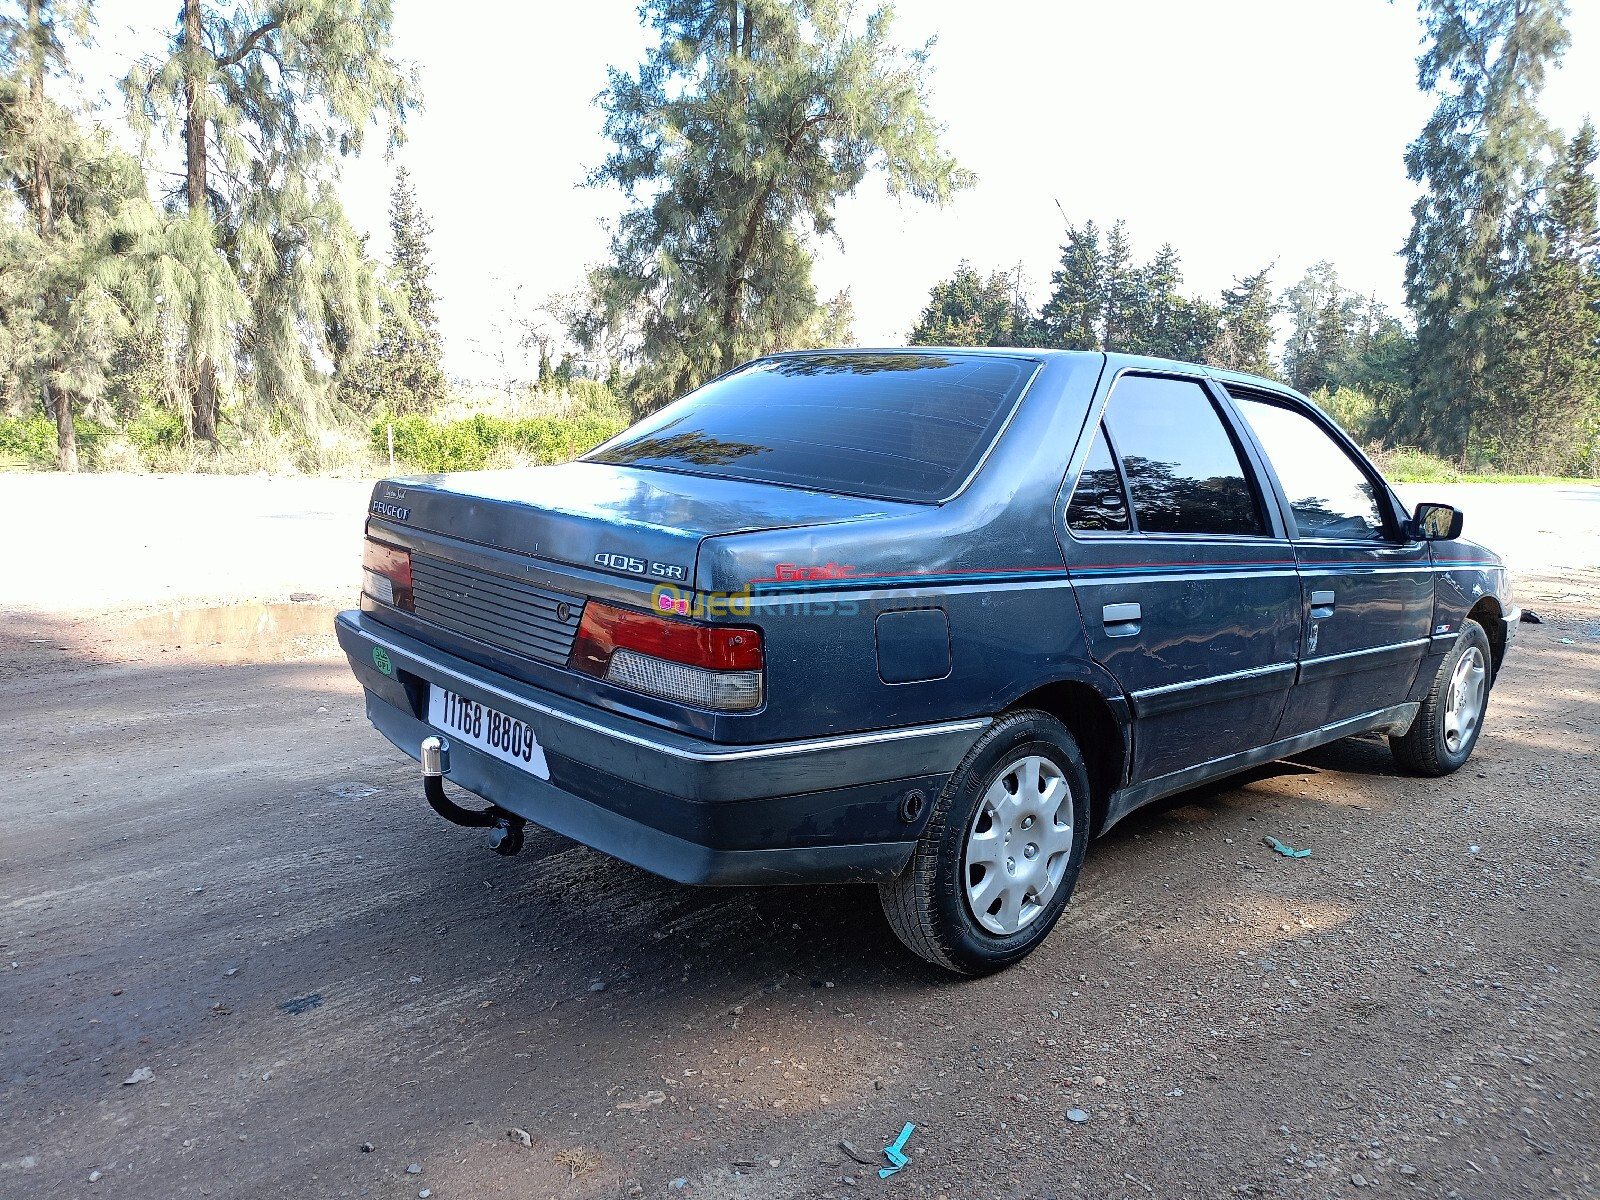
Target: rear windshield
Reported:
[(888, 426)]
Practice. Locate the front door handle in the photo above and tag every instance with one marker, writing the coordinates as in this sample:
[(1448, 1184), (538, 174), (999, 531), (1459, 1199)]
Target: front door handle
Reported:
[(1121, 620), (1322, 605)]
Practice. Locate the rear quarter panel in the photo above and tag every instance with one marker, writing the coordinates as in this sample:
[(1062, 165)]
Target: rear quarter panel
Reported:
[(987, 558)]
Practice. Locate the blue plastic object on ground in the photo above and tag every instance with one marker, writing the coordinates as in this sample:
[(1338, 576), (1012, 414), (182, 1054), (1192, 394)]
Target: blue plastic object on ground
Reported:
[(896, 1153), (1285, 850)]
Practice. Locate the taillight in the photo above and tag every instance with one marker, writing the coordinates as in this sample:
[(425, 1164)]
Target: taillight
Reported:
[(708, 666), (386, 574)]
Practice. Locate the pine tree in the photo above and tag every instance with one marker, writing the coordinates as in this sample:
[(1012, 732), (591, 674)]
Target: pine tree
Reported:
[(403, 373), (1119, 290), (1244, 335), (31, 52), (1164, 322), (71, 277), (1545, 413), (834, 324), (1071, 317), (264, 96), (735, 138), (970, 310), (1478, 158), (1306, 360)]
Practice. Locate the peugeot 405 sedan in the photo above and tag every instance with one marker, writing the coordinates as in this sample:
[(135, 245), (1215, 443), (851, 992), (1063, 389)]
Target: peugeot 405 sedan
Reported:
[(929, 618)]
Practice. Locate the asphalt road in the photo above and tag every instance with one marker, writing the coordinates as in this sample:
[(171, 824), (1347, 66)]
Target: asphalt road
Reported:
[(217, 882)]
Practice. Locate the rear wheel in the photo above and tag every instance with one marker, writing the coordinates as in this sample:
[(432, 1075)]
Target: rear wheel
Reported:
[(1441, 739), (1001, 853)]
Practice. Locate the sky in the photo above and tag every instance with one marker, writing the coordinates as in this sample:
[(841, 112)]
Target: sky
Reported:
[(1244, 132)]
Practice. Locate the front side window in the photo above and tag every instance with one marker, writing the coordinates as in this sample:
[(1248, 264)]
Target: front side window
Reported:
[(1330, 496), (1184, 473), (1097, 504)]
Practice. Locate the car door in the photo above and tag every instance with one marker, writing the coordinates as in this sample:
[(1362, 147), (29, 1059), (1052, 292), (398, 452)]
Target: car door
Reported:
[(1367, 608), (1183, 574)]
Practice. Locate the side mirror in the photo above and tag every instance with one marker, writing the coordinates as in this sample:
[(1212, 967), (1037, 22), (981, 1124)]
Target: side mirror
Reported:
[(1437, 522)]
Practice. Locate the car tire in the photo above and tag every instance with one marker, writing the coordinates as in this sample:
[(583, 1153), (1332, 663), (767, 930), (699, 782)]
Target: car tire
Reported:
[(1447, 725), (1002, 850)]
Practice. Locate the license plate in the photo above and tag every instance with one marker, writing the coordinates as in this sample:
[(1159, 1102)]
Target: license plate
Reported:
[(480, 726)]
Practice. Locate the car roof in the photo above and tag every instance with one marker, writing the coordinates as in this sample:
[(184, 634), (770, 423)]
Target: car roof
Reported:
[(1040, 353)]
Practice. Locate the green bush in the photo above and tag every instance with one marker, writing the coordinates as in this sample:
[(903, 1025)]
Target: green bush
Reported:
[(31, 441), (156, 429), (479, 441), (1404, 465)]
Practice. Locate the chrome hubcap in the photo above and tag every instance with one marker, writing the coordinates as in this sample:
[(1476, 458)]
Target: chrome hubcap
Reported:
[(1019, 845), (1463, 702)]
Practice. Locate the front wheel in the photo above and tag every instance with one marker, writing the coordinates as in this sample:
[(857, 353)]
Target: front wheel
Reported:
[(1002, 850), (1441, 739)]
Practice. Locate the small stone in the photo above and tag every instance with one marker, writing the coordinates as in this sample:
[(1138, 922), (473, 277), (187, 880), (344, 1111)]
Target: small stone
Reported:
[(773, 1162), (1098, 1081), (116, 991), (1020, 1098), (424, 1194), (1176, 1092), (678, 1184), (231, 972), (94, 1176), (861, 1158), (599, 985), (1077, 1116), (1359, 1179), (367, 1147), (520, 1136), (1407, 1169), (414, 1169), (141, 1075), (266, 1076)]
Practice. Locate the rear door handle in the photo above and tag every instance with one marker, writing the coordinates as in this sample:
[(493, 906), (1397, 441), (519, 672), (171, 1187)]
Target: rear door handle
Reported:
[(1322, 605), (1121, 620)]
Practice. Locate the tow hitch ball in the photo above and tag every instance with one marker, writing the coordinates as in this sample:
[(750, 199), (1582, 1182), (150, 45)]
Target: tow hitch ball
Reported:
[(505, 828)]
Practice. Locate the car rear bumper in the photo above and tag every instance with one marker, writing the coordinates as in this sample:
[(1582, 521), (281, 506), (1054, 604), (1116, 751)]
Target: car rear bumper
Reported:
[(821, 810)]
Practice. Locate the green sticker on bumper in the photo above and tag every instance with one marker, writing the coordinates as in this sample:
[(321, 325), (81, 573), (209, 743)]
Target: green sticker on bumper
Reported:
[(380, 659)]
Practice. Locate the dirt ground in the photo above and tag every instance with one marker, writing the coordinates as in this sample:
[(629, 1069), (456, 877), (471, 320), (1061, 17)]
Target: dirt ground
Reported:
[(239, 957)]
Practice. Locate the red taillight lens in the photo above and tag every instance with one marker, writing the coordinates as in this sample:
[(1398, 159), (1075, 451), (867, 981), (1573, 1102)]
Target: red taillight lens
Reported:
[(386, 574), (710, 666)]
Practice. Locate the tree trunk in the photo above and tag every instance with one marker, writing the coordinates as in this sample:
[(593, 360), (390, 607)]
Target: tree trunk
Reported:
[(66, 436), (194, 125), (203, 397), (44, 208), (203, 400)]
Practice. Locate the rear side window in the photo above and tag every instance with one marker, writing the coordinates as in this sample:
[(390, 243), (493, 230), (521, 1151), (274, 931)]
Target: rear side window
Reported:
[(1330, 495), (1098, 505), (1183, 470), (887, 426)]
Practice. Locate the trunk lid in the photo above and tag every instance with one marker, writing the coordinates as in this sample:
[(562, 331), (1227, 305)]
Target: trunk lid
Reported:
[(623, 521)]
